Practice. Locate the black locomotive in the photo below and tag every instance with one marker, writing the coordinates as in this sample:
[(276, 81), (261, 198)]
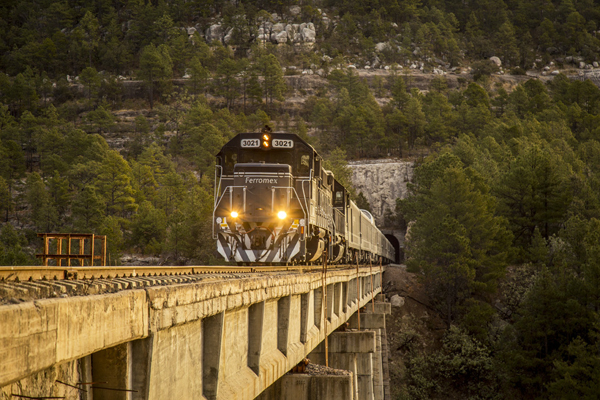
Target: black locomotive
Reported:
[(275, 203)]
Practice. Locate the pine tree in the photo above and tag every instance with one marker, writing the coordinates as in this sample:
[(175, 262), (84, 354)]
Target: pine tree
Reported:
[(43, 214), (155, 66), (507, 43), (88, 210), (114, 184), (199, 76), (226, 83), (5, 200), (456, 241), (273, 82)]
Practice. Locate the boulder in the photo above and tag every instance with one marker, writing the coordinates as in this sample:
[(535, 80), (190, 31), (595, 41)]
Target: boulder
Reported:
[(281, 37), (397, 301), (309, 35), (228, 36), (214, 32), (277, 28), (376, 62), (595, 64), (496, 61), (295, 10), (191, 30), (381, 46), (555, 73), (581, 65)]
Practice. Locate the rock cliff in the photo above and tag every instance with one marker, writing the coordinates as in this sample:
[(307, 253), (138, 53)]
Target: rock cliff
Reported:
[(382, 182)]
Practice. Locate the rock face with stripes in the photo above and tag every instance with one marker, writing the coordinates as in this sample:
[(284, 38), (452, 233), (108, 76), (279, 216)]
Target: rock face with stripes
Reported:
[(382, 182)]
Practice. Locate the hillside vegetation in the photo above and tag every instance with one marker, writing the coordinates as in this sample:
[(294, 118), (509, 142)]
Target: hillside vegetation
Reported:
[(504, 216)]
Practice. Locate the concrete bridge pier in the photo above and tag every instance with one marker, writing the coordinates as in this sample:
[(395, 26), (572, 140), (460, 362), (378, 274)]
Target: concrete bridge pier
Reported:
[(361, 352), (352, 351), (210, 339)]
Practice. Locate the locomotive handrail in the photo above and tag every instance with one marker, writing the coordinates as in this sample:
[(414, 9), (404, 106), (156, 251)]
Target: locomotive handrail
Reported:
[(302, 181), (217, 187), (230, 190)]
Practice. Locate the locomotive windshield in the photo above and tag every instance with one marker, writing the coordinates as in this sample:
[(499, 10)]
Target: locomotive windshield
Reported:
[(299, 160)]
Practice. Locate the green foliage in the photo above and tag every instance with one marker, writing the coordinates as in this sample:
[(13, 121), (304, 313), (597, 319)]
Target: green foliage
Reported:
[(463, 368), (457, 242), (336, 163), (534, 193), (156, 67), (273, 83), (148, 229), (11, 247), (114, 184), (484, 68)]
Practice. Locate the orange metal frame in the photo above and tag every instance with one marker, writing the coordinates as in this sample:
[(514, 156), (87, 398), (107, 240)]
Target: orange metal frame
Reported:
[(81, 257)]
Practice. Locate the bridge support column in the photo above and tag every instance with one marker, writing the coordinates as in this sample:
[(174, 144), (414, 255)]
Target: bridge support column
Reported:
[(113, 366), (352, 351), (375, 321), (310, 387)]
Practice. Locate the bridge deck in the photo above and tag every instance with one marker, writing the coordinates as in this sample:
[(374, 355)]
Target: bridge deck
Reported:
[(215, 337)]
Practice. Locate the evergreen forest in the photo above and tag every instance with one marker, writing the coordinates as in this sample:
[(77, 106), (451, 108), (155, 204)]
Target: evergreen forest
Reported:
[(111, 113)]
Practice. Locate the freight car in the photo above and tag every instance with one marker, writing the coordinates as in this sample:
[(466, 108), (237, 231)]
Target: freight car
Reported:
[(275, 203)]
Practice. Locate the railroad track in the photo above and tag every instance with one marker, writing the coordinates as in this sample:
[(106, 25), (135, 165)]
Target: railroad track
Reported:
[(21, 274), (19, 284)]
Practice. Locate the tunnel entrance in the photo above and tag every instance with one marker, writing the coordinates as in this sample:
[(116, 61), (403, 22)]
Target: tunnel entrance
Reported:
[(399, 251)]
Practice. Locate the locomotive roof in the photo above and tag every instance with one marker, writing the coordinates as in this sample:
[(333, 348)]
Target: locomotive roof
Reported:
[(235, 142)]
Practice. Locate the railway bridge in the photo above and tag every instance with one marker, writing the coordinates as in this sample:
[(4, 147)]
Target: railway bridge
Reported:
[(189, 333)]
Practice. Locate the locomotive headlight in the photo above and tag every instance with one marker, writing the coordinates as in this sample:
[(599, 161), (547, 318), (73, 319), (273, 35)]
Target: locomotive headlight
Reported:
[(234, 214), (282, 214)]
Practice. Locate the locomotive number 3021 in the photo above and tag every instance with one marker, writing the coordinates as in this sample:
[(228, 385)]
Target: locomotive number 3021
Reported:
[(250, 143), (288, 144)]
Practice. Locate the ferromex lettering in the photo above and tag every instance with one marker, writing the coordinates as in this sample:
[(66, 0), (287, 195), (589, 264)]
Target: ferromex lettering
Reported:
[(262, 180)]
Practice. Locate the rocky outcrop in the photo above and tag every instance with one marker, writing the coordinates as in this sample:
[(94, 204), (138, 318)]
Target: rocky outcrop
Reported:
[(382, 182), (278, 33)]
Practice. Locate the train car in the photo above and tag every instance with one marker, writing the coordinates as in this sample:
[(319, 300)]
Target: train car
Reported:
[(276, 204)]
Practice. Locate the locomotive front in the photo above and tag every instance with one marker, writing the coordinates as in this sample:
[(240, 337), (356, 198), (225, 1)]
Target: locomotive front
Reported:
[(260, 211)]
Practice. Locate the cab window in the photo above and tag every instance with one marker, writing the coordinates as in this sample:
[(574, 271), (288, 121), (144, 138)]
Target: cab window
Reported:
[(230, 161), (304, 165)]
